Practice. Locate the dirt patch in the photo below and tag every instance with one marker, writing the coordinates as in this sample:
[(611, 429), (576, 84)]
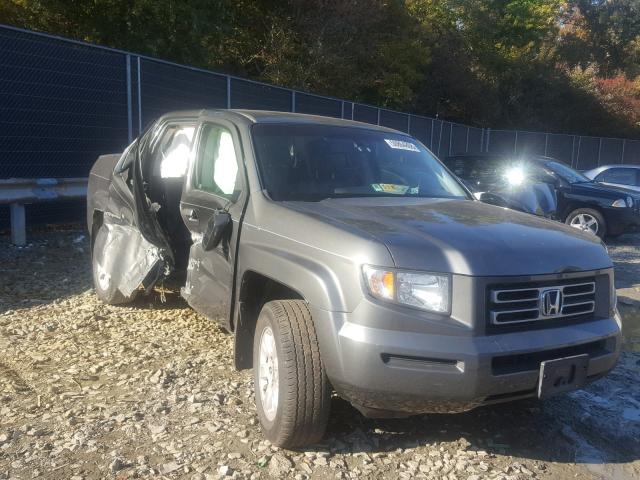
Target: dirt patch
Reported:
[(149, 390)]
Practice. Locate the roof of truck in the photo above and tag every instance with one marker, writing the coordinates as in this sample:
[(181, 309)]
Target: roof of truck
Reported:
[(266, 116), (501, 156)]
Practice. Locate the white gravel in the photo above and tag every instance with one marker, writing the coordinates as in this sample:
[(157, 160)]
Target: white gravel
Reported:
[(93, 391)]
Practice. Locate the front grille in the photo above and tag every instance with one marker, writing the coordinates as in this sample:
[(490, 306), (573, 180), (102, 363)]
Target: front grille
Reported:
[(536, 302)]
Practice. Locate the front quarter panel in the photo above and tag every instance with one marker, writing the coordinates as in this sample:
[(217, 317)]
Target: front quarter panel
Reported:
[(319, 261)]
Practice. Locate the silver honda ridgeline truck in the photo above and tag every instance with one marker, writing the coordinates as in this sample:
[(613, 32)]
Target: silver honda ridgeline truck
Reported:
[(345, 257)]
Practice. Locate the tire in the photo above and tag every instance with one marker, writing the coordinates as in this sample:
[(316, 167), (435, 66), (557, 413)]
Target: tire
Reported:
[(299, 414), (588, 215), (105, 289)]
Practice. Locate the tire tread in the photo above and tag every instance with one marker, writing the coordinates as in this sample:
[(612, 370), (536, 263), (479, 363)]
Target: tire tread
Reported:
[(306, 401)]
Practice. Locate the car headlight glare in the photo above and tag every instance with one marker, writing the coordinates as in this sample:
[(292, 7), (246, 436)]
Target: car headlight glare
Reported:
[(620, 203), (427, 291), (515, 176)]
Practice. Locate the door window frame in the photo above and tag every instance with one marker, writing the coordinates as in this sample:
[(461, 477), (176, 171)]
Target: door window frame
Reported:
[(192, 192)]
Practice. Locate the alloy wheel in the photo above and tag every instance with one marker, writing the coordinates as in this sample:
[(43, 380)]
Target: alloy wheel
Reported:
[(268, 374), (586, 223)]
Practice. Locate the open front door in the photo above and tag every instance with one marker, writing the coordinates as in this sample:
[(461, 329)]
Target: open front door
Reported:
[(214, 190)]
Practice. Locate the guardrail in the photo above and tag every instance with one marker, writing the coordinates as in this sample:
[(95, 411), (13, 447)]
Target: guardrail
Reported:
[(17, 192)]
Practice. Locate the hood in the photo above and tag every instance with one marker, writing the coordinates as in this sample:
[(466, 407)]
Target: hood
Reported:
[(462, 236), (605, 191)]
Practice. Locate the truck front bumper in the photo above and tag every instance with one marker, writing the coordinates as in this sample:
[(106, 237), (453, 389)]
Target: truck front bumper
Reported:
[(399, 373)]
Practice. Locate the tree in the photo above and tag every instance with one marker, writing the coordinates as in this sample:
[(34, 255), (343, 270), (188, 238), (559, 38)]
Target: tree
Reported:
[(532, 64), (604, 35)]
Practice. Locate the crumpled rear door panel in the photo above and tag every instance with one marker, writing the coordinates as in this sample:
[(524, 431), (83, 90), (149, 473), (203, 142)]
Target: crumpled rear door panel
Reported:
[(128, 259)]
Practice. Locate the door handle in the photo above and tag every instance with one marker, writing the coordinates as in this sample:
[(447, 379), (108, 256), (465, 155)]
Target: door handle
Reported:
[(192, 215)]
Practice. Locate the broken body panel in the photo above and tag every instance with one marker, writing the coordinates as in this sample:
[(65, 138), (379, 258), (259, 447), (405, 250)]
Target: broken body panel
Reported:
[(133, 249)]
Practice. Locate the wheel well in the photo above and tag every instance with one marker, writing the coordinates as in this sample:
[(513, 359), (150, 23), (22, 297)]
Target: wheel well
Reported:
[(256, 289)]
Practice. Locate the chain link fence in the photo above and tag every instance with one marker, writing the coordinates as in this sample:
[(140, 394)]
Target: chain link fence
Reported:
[(63, 103)]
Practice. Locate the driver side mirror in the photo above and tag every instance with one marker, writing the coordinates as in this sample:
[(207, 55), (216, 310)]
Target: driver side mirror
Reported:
[(492, 199), (217, 227)]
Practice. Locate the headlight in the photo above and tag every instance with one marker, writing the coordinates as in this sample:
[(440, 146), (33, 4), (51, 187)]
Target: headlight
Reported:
[(427, 291), (622, 203)]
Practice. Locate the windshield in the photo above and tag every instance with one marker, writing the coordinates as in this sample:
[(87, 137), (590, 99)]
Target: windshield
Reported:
[(567, 173), (314, 162)]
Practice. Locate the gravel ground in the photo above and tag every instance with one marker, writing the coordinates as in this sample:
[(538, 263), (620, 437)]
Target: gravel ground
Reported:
[(94, 391), (625, 252)]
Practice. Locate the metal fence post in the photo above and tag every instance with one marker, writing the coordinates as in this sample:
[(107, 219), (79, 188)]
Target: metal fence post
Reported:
[(466, 148), (624, 144), (431, 140), (450, 137), (546, 144), (578, 152), (293, 101), (129, 111), (409, 124), (378, 116), (342, 110), (139, 98), (482, 140), (599, 150), (488, 139), (515, 143), (228, 91), (18, 224)]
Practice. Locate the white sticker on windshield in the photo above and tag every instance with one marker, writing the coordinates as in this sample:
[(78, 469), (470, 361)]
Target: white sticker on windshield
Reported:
[(401, 145)]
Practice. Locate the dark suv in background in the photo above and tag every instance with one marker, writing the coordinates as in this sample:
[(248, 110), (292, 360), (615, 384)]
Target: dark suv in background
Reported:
[(547, 187)]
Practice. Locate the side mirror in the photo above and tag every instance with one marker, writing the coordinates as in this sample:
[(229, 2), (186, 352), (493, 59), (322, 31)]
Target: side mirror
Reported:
[(217, 227), (492, 199)]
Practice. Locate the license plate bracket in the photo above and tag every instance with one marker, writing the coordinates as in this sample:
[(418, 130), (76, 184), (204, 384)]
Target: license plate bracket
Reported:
[(562, 375)]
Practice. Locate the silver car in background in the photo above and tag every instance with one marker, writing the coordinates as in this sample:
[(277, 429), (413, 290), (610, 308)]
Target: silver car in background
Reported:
[(627, 176)]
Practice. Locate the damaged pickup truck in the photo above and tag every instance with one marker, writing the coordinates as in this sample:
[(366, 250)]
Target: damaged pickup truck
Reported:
[(345, 257)]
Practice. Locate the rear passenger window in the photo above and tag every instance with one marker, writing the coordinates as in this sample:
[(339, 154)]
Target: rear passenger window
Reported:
[(217, 163), (621, 176)]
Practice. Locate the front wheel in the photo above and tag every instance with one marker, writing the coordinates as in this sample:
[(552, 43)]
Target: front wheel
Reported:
[(292, 390), (587, 220)]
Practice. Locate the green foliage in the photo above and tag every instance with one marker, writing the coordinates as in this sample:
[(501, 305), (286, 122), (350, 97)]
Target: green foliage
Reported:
[(536, 64)]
